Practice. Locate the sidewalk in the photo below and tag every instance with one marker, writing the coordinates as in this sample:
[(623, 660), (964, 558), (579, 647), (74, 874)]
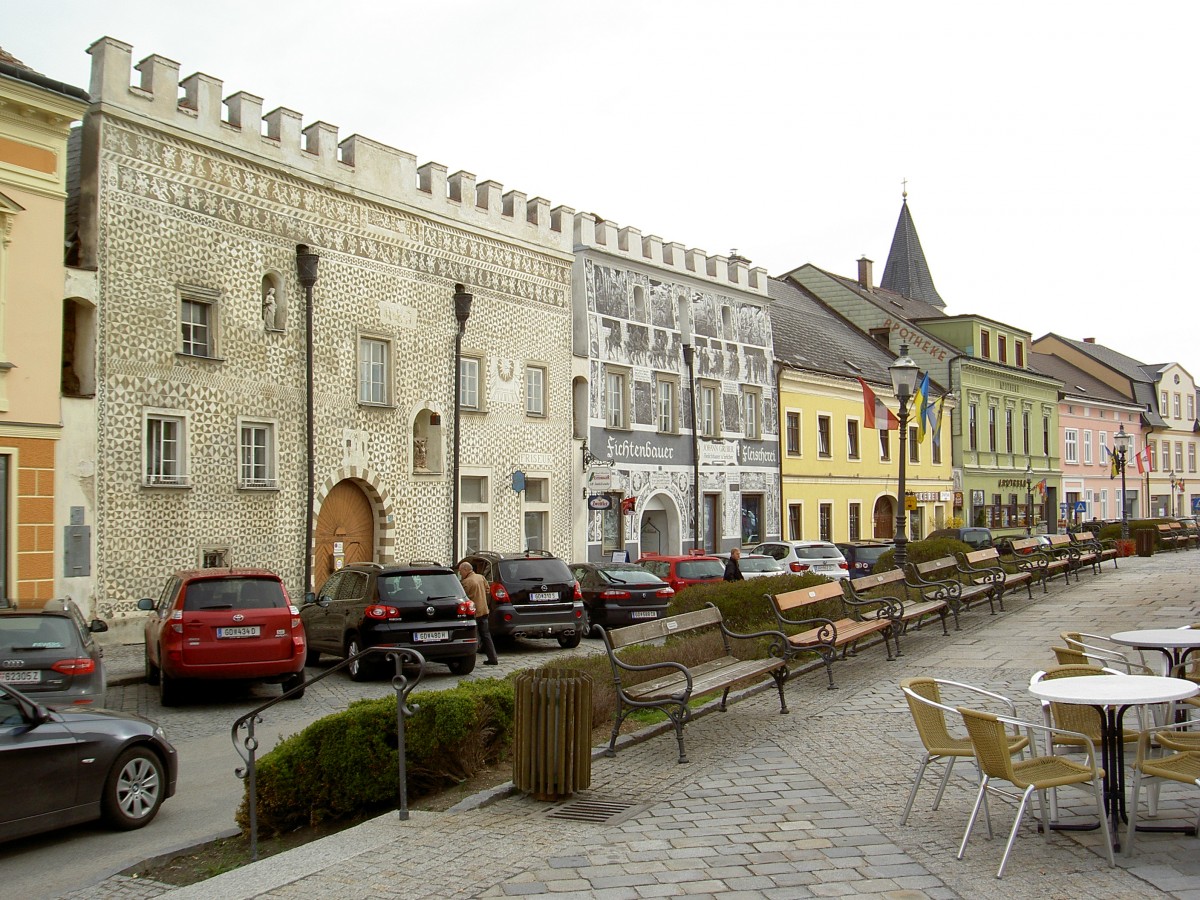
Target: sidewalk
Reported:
[(771, 806)]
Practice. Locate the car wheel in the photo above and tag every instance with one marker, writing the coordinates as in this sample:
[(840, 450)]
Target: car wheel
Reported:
[(312, 657), (294, 681), (151, 669), (573, 641), (585, 624), (357, 669), (464, 665), (134, 789), (168, 689)]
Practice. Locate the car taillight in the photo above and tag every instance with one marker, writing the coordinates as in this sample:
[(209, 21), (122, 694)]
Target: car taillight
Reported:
[(382, 612), (665, 592), (616, 595), (75, 666), (799, 567), (578, 592), (466, 608), (499, 594), (843, 565)]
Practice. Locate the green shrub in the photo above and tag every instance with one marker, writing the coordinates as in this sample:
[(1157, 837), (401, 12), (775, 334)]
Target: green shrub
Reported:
[(923, 551), (743, 604)]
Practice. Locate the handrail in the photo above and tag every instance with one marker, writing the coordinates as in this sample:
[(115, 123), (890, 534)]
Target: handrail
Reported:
[(400, 657)]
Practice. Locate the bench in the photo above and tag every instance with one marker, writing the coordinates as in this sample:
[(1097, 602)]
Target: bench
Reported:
[(1182, 534), (1169, 539), (940, 579), (671, 691), (826, 637), (1027, 556), (984, 567), (1103, 549), (1078, 555), (911, 610)]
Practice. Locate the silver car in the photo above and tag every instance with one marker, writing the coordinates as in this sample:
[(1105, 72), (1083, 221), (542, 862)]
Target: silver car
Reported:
[(817, 557), (756, 565), (49, 652)]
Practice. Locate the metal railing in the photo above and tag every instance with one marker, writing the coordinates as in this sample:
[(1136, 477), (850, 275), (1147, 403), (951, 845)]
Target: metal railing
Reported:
[(403, 687)]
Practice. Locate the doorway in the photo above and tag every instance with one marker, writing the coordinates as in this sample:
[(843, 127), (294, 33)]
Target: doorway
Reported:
[(345, 530), (885, 518)]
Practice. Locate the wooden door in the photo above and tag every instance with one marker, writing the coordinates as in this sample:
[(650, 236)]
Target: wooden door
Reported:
[(347, 518)]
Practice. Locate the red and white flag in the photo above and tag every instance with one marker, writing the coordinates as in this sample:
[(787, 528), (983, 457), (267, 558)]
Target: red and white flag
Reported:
[(1142, 458), (875, 414)]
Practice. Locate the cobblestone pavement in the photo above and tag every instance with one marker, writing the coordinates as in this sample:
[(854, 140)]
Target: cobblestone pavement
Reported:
[(773, 806)]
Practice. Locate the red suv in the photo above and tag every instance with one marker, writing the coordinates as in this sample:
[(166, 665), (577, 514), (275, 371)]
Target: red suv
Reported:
[(228, 624), (681, 571)]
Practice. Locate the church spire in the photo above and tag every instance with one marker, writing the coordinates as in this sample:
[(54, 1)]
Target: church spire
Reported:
[(906, 271)]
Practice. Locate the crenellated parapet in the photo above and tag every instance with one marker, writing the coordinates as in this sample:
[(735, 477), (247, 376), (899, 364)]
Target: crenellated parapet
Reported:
[(594, 232), (193, 107)]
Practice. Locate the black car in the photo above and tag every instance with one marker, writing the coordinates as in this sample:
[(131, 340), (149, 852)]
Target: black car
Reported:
[(75, 764), (532, 594), (616, 594), (417, 606), (977, 538), (862, 555)]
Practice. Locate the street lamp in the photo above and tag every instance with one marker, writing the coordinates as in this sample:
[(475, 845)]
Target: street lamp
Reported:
[(1029, 497), (904, 382), (1122, 441), (462, 312), (306, 273), (1171, 503)]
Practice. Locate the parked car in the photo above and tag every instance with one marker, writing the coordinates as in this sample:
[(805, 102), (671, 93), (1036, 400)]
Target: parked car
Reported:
[(755, 565), (415, 606), (976, 538), (819, 557), (50, 652), (531, 594), (617, 594), (681, 571), (129, 770), (223, 624), (862, 555)]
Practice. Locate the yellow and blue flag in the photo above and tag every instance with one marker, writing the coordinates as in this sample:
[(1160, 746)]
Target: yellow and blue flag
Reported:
[(921, 403)]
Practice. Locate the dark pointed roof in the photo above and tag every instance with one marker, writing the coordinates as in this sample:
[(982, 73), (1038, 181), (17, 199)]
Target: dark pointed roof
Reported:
[(906, 271)]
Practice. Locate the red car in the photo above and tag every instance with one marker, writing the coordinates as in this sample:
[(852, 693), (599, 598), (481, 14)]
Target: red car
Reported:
[(226, 624), (681, 571)]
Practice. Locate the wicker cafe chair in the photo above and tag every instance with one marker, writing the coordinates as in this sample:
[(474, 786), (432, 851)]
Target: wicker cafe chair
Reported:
[(989, 738), (1070, 656), (924, 696), (1067, 719), (1102, 651), (1183, 766)]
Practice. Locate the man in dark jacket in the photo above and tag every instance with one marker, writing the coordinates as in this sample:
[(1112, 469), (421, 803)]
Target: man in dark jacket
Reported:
[(733, 569)]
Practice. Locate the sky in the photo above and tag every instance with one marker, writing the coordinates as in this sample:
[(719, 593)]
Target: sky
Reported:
[(1049, 148)]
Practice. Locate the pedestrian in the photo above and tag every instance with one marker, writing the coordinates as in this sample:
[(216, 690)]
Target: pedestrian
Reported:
[(476, 587), (733, 569)]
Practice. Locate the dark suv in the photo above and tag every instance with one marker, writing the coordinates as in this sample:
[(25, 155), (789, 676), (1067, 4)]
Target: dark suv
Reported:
[(862, 555), (415, 606), (533, 594), (49, 652)]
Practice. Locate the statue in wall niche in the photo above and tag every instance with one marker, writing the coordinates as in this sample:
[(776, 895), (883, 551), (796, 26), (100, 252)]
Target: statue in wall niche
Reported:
[(269, 307), (421, 454)]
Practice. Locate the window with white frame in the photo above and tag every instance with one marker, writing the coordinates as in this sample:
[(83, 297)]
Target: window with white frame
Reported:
[(1191, 408), (1179, 456), (374, 366), (537, 513), (535, 391), (616, 397), (198, 321), (1087, 448), (667, 403), (1175, 408), (885, 445), (1162, 405), (914, 445), (793, 434), (1166, 456), (1191, 458), (853, 451), (710, 409), (470, 372), (795, 521), (473, 512), (825, 521), (256, 454), (824, 437), (1071, 445), (1103, 504), (1104, 451), (165, 449), (751, 419), (854, 520)]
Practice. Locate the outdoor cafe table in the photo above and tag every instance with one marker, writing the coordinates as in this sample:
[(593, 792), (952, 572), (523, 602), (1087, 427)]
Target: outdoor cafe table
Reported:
[(1174, 643), (1111, 695)]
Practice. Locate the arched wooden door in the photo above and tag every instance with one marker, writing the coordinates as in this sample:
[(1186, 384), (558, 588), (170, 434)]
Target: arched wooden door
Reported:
[(885, 518), (346, 518)]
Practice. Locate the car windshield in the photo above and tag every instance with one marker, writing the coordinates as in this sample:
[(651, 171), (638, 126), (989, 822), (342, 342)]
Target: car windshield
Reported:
[(233, 593), (818, 553), (869, 554), (24, 633), (700, 568), (419, 587), (530, 570), (759, 564), (629, 575)]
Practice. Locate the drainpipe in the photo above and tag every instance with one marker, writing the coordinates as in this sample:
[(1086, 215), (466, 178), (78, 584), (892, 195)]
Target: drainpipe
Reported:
[(689, 357), (306, 271)]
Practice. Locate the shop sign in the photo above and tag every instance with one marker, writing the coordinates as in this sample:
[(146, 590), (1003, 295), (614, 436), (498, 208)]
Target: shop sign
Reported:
[(599, 501)]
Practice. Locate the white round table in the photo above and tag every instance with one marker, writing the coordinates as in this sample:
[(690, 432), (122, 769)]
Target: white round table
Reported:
[(1174, 643), (1111, 695)]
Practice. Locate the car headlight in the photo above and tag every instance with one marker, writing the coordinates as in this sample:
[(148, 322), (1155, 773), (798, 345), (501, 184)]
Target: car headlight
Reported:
[(159, 733)]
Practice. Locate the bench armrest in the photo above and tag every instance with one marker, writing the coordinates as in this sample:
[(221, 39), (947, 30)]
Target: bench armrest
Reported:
[(777, 646), (941, 589), (619, 664), (882, 607)]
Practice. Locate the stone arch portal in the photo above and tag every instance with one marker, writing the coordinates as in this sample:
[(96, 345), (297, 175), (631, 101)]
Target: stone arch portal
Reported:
[(659, 526), (351, 526)]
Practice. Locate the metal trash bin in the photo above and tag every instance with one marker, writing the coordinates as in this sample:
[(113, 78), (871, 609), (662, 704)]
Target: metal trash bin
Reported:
[(552, 747), (1144, 540)]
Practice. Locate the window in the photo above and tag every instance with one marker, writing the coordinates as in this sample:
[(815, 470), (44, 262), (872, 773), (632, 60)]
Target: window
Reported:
[(470, 397), (256, 442), (1162, 404), (972, 427), (1045, 435), (985, 343), (1002, 348), (373, 366), (885, 445), (1020, 354), (1166, 456), (612, 526), (914, 445), (1008, 430), (1191, 457), (709, 410), (1087, 448), (668, 392), (1175, 407), (824, 438), (992, 429), (1178, 456), (1071, 448), (752, 518), (198, 322), (1104, 504), (473, 515), (854, 520), (474, 532), (852, 448), (751, 424), (795, 518), (165, 450), (1191, 408), (793, 434), (616, 392), (1104, 449), (473, 489), (535, 391), (937, 451), (537, 512), (1025, 432), (1153, 455), (825, 517)]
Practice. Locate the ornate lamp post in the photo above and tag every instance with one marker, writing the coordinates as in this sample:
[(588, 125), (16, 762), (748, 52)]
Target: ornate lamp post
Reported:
[(904, 382), (1171, 504), (462, 312), (1029, 498), (1122, 441)]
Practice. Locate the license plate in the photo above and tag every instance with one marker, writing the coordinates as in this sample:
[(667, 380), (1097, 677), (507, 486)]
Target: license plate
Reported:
[(238, 631), (651, 614), (542, 597), (33, 677), (426, 636)]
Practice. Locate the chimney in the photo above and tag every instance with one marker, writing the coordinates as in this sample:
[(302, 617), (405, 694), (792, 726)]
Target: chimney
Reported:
[(865, 275), (1089, 340)]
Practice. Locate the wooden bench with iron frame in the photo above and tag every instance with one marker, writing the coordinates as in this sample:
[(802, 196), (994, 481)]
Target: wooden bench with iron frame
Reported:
[(984, 567), (940, 578), (914, 606)]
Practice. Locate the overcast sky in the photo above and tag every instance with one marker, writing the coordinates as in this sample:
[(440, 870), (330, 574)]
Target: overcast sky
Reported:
[(1050, 148)]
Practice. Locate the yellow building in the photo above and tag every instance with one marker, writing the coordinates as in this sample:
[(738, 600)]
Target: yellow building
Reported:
[(35, 118), (840, 478)]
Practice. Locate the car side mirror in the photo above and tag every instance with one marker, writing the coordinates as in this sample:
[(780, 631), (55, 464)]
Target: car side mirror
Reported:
[(98, 625), (146, 603), (309, 597)]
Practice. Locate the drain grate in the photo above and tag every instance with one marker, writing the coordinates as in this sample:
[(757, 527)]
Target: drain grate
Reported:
[(597, 811)]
